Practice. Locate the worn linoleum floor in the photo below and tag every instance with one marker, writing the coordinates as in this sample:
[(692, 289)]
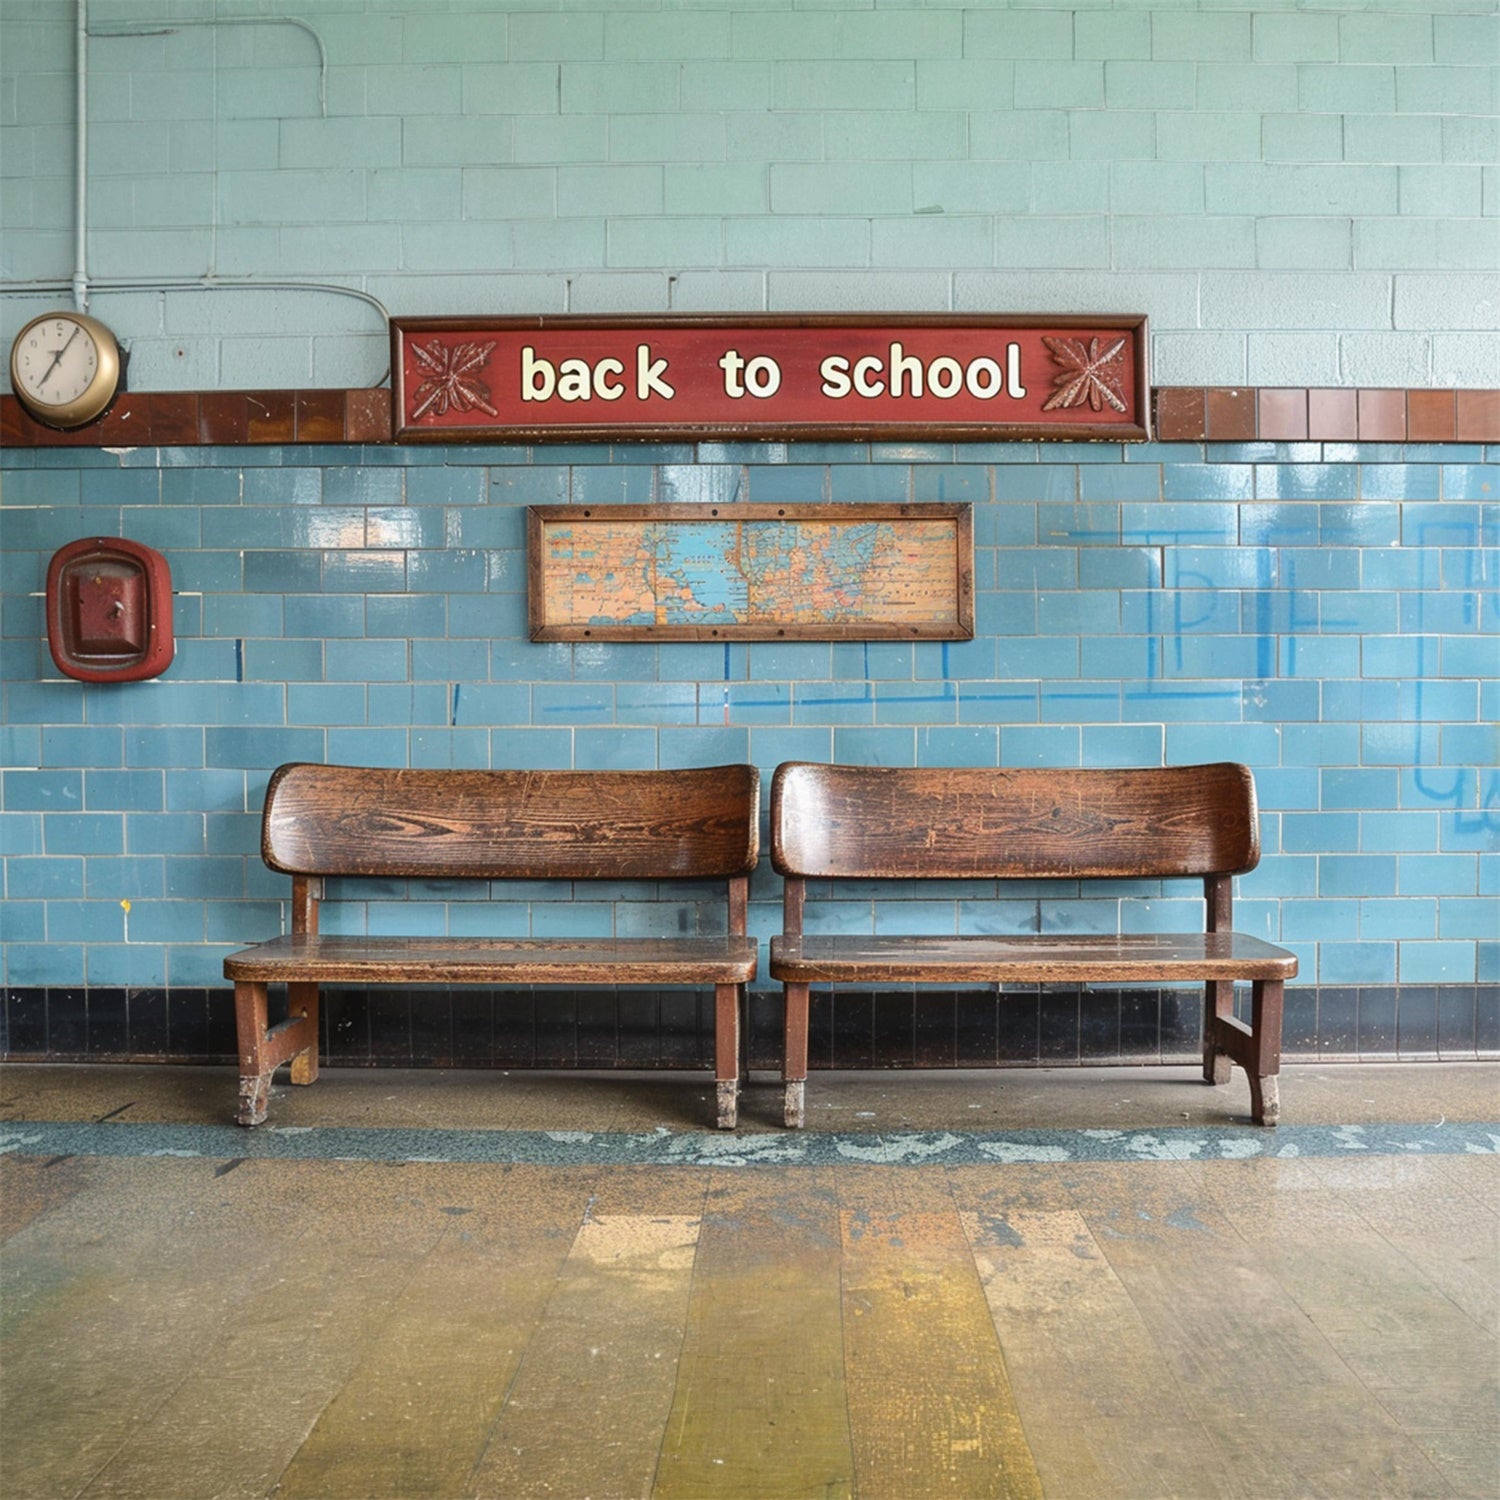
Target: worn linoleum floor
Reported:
[(1084, 1284)]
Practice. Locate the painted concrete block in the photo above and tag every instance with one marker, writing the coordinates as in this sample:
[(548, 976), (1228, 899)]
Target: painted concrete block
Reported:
[(1018, 34), (1302, 137), (1465, 38), (622, 88), (1287, 299), (1385, 38), (1304, 244), (711, 188), (431, 141), (1059, 187), (556, 140), (1150, 85), (948, 240), (1360, 90), (1201, 37), (844, 85), (1020, 135), (975, 84), (510, 88), (708, 86), (665, 242), (901, 35), (1446, 302), (874, 188), (679, 35), (1116, 135), (622, 189), (860, 136), (1146, 242), (774, 137), (1079, 241), (1392, 138), (569, 37), (1111, 34), (664, 138), (1060, 85), (1295, 38)]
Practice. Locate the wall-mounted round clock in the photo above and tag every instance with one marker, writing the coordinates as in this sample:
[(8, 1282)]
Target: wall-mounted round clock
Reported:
[(65, 368)]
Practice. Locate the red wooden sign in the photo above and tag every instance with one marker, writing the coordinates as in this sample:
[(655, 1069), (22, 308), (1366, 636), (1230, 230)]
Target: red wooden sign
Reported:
[(672, 378)]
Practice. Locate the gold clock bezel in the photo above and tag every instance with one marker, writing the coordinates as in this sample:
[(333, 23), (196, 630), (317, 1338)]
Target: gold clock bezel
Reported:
[(101, 390)]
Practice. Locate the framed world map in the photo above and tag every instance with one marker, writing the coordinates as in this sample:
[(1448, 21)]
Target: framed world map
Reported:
[(751, 572)]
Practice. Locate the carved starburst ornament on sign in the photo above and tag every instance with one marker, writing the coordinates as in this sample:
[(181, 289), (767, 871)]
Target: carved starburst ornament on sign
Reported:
[(1089, 374), (450, 381)]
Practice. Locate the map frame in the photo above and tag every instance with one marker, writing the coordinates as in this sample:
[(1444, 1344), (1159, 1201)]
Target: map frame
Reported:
[(940, 536)]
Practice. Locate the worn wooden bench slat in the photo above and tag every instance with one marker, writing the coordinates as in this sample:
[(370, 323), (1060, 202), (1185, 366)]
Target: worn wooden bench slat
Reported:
[(1162, 957), (323, 823), (832, 824), (435, 960)]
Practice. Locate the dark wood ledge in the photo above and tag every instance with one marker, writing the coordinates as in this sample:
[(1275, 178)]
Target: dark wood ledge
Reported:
[(1182, 414)]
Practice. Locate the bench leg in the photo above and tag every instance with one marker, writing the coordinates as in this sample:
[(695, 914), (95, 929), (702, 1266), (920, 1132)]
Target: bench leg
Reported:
[(1265, 1028), (1218, 1002), (302, 1000), (727, 1052), (250, 1027), (794, 1057), (263, 1049), (1256, 1047)]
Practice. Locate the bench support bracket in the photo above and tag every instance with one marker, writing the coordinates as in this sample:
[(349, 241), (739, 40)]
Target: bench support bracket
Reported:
[(1256, 1048), (263, 1049)]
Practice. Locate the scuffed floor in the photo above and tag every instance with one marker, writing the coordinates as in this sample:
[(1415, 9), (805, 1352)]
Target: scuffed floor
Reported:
[(1064, 1284)]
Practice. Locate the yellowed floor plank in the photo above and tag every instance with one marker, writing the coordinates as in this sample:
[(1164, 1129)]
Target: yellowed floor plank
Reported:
[(930, 1406), (1097, 1399), (596, 1381), (115, 1302), (1231, 1331), (412, 1415), (760, 1407)]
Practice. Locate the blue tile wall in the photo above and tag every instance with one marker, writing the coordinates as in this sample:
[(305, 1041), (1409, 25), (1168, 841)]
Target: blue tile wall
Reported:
[(1328, 617)]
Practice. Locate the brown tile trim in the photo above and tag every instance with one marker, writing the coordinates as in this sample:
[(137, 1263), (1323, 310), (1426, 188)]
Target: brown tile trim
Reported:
[(1332, 415), (223, 418), (1183, 414)]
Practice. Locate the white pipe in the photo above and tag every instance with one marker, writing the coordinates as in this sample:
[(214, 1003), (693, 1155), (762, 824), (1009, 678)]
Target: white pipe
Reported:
[(81, 167)]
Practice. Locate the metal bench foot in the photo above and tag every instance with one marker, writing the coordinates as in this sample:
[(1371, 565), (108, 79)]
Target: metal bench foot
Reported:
[(729, 1103), (255, 1096), (1265, 1099)]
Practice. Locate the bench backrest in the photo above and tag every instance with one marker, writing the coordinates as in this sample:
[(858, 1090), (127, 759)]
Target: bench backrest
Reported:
[(886, 821), (530, 825)]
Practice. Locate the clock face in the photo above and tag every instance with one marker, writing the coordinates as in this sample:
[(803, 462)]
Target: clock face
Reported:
[(65, 368)]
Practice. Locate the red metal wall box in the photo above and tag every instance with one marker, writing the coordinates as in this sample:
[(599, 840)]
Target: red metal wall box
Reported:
[(109, 610)]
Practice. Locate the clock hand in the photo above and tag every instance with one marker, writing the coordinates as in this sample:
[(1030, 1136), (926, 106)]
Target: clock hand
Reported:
[(56, 360)]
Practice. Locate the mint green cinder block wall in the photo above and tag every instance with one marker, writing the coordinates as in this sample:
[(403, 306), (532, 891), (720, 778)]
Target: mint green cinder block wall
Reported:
[(1326, 178), (1293, 196)]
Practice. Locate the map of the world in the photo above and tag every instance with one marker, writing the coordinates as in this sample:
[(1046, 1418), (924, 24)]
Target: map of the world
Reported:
[(828, 572)]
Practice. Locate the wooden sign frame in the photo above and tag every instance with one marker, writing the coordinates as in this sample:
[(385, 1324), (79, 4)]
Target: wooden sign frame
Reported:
[(690, 377), (553, 563)]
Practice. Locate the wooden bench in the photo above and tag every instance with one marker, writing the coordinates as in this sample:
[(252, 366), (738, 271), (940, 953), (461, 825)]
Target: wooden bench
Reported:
[(323, 822), (834, 823)]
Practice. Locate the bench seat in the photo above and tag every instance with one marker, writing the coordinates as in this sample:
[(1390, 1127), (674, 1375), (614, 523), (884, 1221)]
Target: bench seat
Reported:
[(1123, 958), (295, 958)]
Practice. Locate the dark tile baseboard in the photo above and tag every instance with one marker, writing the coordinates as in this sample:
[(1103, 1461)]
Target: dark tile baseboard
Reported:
[(1041, 1026)]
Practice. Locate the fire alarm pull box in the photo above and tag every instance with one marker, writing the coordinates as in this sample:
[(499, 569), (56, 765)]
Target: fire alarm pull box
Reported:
[(109, 610)]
